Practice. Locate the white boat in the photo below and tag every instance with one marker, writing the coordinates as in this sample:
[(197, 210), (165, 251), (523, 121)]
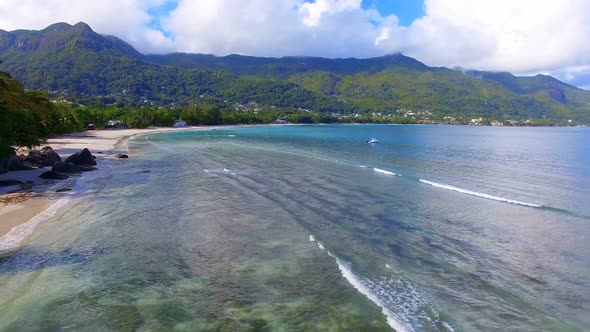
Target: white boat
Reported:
[(373, 140)]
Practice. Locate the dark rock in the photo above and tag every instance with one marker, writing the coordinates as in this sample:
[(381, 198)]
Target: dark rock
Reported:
[(44, 157), (14, 163), (63, 190), (83, 157), (8, 183), (50, 155), (121, 156), (62, 167), (51, 175), (147, 171)]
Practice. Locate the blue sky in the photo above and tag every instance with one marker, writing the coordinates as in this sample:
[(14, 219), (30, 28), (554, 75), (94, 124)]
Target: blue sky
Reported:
[(161, 11), (406, 10)]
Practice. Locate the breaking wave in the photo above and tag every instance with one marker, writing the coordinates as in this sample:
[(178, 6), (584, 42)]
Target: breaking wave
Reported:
[(15, 237), (382, 171), (478, 194), (388, 293)]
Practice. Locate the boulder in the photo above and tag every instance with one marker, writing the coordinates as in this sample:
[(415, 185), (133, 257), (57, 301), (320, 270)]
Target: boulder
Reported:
[(121, 156), (62, 167), (14, 163), (51, 175), (34, 157), (44, 157), (50, 155), (83, 157)]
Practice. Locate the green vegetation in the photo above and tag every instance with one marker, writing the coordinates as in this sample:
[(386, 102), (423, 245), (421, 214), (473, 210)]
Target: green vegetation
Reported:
[(26, 118), (80, 66), (93, 79)]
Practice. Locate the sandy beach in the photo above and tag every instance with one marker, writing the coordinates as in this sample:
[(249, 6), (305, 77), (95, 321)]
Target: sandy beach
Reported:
[(23, 203)]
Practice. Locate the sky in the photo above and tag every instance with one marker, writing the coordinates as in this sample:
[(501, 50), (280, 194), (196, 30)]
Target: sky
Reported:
[(525, 37)]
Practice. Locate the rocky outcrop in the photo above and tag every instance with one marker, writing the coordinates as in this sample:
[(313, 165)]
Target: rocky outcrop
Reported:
[(82, 158), (51, 175), (14, 163), (43, 158), (121, 156), (62, 167)]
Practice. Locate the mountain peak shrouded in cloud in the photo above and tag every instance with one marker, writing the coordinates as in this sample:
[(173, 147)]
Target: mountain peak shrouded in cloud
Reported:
[(525, 36)]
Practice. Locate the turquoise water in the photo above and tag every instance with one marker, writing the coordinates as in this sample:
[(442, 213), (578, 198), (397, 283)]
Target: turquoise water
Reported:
[(310, 228)]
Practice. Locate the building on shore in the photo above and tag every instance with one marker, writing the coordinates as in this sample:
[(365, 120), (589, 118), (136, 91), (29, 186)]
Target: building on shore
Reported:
[(179, 124)]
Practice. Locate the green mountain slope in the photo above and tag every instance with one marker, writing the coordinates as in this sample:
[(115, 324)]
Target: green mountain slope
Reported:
[(282, 68), (84, 66)]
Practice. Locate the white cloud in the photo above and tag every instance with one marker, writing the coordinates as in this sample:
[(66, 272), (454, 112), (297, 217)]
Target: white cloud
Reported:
[(313, 11), (515, 35), (521, 36), (331, 28)]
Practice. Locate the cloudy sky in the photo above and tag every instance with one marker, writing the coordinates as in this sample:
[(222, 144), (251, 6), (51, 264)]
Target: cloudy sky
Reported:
[(521, 36)]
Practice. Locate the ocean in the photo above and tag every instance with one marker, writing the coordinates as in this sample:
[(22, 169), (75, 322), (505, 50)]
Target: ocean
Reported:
[(304, 228)]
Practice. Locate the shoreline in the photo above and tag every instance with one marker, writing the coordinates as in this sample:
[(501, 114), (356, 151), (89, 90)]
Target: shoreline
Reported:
[(22, 204), (23, 208)]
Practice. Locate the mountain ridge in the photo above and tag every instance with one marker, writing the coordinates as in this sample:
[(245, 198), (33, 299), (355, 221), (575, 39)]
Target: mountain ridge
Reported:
[(86, 66)]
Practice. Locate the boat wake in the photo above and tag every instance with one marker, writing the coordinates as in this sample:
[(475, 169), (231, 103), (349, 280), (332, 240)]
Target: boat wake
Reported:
[(478, 194)]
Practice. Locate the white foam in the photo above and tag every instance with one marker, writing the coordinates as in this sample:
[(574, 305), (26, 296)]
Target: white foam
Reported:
[(84, 185), (231, 135), (448, 327), (363, 166), (358, 285), (225, 171), (320, 245), (478, 194), (18, 234), (382, 171)]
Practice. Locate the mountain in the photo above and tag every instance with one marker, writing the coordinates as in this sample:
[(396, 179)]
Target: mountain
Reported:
[(87, 67), (285, 67)]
